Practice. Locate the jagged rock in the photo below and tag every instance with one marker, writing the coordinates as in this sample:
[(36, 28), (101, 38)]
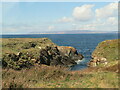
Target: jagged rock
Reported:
[(59, 55), (67, 50), (70, 52)]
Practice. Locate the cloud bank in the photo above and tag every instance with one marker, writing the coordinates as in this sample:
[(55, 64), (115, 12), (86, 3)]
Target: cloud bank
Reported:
[(100, 19), (83, 13)]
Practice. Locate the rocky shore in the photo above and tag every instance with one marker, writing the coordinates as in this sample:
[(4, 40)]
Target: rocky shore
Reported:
[(21, 53)]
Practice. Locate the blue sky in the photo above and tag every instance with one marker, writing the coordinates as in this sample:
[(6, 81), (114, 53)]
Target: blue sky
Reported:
[(27, 17)]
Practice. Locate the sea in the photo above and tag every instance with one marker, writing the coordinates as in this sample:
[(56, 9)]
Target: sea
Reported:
[(84, 43)]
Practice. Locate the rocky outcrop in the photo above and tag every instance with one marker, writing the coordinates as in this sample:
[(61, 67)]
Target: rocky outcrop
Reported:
[(22, 53), (70, 52), (97, 61), (59, 55), (105, 53)]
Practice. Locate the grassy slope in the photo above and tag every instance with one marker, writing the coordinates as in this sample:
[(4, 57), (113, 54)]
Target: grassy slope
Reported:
[(16, 45), (108, 49)]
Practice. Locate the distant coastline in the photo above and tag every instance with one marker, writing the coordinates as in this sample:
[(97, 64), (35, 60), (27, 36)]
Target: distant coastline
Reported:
[(59, 33), (74, 32)]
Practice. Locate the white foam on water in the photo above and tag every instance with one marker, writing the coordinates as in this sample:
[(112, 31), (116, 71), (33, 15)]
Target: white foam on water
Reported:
[(83, 61), (78, 61)]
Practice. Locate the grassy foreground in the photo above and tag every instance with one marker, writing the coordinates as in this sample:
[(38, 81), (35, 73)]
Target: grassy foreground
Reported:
[(55, 77)]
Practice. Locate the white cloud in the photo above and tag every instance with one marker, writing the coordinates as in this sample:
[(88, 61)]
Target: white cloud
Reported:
[(12, 28), (9, 29), (106, 17), (110, 24), (83, 13), (10, 0), (51, 27), (112, 21), (109, 10), (65, 19)]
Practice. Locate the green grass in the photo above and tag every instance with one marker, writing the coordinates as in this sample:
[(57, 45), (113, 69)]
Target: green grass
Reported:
[(55, 77), (108, 49), (16, 45)]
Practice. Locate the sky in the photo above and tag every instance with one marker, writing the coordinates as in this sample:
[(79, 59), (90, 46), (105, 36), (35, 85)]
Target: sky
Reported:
[(32, 17)]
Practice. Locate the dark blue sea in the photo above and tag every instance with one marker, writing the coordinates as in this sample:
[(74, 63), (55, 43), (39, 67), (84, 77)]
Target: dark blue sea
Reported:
[(84, 43)]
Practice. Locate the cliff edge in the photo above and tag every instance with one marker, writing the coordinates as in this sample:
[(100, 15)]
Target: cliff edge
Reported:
[(18, 53)]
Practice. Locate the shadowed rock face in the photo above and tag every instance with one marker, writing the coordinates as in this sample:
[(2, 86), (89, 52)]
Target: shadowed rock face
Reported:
[(59, 55)]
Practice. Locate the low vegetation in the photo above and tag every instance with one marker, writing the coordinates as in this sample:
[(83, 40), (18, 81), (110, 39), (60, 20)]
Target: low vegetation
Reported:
[(58, 77)]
